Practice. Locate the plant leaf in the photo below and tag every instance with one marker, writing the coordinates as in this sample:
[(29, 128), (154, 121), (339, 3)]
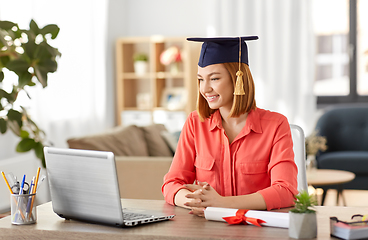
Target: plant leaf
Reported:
[(24, 134), (42, 52), (14, 115), (3, 125), (18, 66), (41, 76), (14, 127), (4, 60), (24, 79), (5, 94), (48, 65), (7, 25), (39, 150), (51, 28), (34, 27), (29, 49), (25, 145)]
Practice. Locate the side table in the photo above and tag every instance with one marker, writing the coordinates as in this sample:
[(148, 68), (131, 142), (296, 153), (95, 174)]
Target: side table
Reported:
[(323, 177)]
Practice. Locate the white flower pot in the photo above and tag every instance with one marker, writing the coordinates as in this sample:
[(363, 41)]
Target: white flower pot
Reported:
[(302, 225), (140, 67)]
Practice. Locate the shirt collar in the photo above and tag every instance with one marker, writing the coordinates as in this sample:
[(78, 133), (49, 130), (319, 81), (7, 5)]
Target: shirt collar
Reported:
[(253, 122), (215, 120)]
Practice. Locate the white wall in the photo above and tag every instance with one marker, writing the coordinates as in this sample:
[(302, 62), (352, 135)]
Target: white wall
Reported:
[(145, 18)]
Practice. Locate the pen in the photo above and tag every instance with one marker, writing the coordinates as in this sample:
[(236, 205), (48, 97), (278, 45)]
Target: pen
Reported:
[(43, 177), (30, 198), (22, 185), (31, 187), (20, 199)]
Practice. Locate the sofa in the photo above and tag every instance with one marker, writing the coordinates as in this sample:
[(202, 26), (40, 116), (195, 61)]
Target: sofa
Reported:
[(143, 156)]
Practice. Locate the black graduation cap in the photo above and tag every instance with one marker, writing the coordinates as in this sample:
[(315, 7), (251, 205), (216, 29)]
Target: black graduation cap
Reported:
[(223, 49)]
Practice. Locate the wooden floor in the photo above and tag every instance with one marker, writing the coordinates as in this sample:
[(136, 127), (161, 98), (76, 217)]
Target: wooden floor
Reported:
[(353, 198)]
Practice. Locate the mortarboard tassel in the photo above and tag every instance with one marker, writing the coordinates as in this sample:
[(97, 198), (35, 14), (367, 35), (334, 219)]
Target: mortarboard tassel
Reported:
[(239, 88)]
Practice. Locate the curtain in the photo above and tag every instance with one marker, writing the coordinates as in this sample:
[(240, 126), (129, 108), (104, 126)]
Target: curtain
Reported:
[(74, 102), (281, 60)]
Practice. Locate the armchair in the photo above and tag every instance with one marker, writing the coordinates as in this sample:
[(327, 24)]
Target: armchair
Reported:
[(346, 131)]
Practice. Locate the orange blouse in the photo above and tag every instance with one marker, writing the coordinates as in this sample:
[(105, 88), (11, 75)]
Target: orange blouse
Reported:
[(260, 159)]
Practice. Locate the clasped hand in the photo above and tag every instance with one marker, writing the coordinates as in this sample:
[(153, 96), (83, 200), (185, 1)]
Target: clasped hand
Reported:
[(202, 196)]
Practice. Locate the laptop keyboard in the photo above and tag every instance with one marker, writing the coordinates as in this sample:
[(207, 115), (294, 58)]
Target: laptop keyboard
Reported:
[(135, 216)]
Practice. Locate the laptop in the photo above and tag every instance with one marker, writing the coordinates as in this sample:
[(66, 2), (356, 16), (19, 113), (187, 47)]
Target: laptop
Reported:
[(84, 186)]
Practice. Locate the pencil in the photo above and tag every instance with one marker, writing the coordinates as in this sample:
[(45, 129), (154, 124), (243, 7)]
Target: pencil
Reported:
[(36, 182), (7, 183), (11, 191), (34, 191)]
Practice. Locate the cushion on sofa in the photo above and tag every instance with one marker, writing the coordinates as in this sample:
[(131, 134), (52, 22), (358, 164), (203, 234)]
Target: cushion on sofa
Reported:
[(122, 141), (171, 138), (156, 145)]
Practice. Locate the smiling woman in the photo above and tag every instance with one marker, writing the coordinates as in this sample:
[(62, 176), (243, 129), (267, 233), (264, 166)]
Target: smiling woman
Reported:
[(237, 155)]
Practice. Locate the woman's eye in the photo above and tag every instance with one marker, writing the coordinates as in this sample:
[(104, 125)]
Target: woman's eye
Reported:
[(214, 79), (200, 79)]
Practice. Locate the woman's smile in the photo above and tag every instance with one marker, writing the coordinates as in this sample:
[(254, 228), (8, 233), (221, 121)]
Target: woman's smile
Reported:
[(212, 98)]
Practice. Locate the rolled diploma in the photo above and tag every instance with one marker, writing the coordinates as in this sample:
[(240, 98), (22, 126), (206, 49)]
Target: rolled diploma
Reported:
[(272, 219)]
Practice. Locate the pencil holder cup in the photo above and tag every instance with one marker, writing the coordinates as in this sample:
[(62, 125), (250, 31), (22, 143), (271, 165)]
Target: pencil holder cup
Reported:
[(23, 209)]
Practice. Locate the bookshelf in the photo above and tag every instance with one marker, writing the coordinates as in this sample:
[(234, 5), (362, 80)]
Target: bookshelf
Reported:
[(160, 89)]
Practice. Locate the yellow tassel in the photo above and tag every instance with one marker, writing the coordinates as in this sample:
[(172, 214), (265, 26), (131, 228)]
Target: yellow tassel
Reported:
[(239, 89)]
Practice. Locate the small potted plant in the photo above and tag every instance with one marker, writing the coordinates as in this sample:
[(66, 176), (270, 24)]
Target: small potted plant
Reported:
[(303, 218), (140, 63), (313, 144)]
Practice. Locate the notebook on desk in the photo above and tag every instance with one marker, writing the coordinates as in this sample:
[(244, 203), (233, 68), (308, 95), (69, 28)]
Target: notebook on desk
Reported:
[(84, 186)]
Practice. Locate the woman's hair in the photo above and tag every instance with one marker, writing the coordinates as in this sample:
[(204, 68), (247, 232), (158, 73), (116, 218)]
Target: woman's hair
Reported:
[(241, 103)]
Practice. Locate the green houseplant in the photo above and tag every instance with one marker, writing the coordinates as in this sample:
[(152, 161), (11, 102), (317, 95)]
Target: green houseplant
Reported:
[(27, 53), (140, 57), (140, 63), (302, 218)]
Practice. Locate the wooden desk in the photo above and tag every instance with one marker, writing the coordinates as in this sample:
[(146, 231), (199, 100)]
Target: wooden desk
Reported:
[(323, 177), (183, 226)]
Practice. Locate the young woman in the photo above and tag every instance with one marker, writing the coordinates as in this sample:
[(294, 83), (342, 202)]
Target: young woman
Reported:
[(231, 153)]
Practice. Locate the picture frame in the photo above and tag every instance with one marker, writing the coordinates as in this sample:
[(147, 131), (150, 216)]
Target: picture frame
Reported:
[(174, 98)]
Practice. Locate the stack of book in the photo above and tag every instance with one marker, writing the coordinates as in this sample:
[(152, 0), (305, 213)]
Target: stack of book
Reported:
[(349, 229)]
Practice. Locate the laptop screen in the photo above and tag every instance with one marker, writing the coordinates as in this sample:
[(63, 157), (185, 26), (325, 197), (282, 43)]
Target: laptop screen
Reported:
[(84, 185)]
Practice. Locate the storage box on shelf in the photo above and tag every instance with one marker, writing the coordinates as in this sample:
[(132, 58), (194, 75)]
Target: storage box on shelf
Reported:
[(163, 87)]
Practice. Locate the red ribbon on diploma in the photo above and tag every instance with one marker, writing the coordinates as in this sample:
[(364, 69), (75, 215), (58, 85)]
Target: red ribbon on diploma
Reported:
[(241, 218)]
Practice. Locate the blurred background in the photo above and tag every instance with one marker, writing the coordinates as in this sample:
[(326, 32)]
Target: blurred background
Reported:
[(310, 54)]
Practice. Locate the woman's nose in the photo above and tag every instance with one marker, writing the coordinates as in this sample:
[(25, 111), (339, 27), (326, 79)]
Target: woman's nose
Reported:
[(206, 86)]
